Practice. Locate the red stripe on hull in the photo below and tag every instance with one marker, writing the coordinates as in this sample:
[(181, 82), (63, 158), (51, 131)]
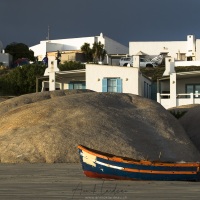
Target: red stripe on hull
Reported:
[(105, 176)]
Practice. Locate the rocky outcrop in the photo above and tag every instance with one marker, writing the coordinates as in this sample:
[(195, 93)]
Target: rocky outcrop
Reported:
[(48, 126)]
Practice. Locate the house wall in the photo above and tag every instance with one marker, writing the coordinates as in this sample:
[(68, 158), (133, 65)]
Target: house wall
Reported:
[(114, 47), (191, 43), (181, 83), (53, 47), (128, 79), (65, 81), (62, 83), (155, 48), (61, 45), (187, 63), (176, 86), (130, 76), (95, 74), (6, 59), (72, 56), (69, 56), (111, 46), (74, 43), (179, 50), (39, 50), (144, 84), (197, 49)]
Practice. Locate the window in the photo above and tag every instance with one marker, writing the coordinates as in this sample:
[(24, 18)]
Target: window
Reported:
[(112, 85), (193, 88), (142, 60), (189, 58), (182, 56), (77, 85)]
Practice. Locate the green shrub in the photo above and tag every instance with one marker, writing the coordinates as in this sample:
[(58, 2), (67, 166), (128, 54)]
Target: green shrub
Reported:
[(178, 114), (20, 80), (71, 65)]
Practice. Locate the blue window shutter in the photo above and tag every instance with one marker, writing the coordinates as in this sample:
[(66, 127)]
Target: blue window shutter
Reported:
[(119, 85), (104, 85), (71, 86)]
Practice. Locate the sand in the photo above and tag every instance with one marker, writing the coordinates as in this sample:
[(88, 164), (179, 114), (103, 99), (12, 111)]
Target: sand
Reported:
[(66, 181)]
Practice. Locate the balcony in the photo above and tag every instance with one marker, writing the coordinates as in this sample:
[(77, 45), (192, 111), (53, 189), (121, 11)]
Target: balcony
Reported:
[(181, 99)]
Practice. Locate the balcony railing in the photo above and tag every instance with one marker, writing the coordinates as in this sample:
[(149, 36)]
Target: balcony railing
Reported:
[(181, 99)]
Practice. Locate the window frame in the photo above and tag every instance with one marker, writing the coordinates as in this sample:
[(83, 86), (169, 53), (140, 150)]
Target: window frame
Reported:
[(194, 86), (73, 83), (118, 84)]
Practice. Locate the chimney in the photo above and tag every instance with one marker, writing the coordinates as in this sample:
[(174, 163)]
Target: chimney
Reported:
[(169, 66)]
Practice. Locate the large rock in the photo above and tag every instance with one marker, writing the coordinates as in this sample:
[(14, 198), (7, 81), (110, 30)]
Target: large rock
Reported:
[(47, 127), (190, 122)]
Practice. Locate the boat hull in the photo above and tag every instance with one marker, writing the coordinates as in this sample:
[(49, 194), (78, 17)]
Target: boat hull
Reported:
[(97, 164)]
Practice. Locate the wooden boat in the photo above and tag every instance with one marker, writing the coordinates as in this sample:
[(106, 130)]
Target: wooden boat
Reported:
[(97, 164)]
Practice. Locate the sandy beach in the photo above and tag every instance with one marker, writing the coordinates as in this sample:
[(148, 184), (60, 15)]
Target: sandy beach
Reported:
[(66, 181)]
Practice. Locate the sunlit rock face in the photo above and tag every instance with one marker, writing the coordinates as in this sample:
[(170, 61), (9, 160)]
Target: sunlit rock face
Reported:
[(47, 127)]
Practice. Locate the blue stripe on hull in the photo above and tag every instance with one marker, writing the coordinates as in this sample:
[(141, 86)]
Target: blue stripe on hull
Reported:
[(108, 171), (103, 170)]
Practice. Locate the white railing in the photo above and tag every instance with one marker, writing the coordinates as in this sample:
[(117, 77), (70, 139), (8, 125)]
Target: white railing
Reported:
[(181, 99), (166, 96)]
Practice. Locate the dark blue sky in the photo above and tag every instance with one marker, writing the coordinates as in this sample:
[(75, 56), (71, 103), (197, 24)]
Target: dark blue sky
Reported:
[(27, 21)]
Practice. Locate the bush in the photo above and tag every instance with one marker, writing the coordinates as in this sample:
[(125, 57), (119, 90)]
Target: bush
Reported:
[(178, 114), (153, 73), (71, 65), (21, 80)]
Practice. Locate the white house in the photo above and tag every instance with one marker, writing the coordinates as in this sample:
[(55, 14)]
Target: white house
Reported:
[(188, 50), (100, 78), (112, 47), (5, 58), (117, 79), (177, 89)]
